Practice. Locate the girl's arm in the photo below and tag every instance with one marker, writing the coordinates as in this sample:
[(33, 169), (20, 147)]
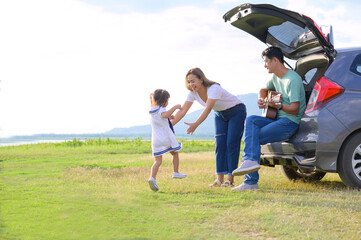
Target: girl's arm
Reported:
[(181, 113), (169, 113), (193, 126)]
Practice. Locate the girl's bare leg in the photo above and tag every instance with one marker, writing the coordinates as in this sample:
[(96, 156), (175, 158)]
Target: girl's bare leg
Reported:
[(175, 161), (155, 167)]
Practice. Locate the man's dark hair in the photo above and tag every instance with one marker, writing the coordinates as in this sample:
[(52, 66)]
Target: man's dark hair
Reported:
[(273, 52)]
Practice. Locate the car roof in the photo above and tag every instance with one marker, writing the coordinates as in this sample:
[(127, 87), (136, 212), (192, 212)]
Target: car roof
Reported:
[(349, 49)]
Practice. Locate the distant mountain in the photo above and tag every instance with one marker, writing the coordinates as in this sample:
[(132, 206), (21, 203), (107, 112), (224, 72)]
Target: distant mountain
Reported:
[(205, 130)]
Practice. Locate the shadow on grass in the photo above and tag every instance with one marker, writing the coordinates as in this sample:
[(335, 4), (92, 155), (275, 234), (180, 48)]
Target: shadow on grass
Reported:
[(318, 186), (329, 185), (323, 194)]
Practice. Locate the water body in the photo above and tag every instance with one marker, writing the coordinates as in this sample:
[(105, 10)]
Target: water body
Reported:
[(28, 142)]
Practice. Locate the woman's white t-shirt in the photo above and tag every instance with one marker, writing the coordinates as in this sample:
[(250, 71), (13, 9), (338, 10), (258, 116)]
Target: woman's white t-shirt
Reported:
[(224, 99)]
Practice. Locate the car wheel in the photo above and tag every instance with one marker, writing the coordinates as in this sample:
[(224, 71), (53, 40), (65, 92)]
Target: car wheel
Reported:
[(294, 173), (349, 162)]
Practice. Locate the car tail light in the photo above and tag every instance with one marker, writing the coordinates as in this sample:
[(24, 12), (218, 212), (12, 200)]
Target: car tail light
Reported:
[(324, 91)]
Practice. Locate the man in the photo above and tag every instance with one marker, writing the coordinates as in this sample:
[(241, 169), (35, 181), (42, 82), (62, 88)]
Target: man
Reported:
[(260, 130)]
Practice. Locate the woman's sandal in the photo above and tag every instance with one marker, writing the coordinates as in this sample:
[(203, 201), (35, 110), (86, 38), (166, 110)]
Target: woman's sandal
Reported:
[(216, 183), (228, 183)]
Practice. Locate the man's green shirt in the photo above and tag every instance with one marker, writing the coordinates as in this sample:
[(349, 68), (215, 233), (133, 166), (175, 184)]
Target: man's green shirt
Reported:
[(291, 88)]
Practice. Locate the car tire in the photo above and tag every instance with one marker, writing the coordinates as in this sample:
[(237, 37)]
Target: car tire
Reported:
[(294, 173), (349, 162)]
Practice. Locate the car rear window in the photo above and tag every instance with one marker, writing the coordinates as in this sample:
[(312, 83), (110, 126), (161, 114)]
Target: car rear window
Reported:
[(290, 34), (356, 65)]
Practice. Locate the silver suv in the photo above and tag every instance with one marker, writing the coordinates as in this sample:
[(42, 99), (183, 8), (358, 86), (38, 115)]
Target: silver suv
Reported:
[(329, 135)]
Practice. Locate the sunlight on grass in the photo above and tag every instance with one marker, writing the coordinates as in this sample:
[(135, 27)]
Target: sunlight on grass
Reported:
[(89, 192)]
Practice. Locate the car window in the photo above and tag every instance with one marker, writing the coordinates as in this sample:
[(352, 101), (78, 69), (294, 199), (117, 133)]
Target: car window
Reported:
[(309, 75), (356, 65), (289, 33), (290, 63)]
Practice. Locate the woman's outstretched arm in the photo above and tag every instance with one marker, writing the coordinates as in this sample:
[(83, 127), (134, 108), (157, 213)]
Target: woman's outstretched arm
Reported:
[(181, 113), (193, 126)]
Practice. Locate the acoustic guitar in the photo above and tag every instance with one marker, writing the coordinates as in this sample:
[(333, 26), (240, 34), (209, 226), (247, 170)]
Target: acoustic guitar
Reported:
[(268, 111)]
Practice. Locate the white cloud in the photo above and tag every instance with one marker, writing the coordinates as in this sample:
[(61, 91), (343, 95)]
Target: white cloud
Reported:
[(225, 1), (69, 67), (337, 14)]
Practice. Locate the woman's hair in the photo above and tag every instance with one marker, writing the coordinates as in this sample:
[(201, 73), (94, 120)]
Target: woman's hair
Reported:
[(159, 97), (273, 52), (199, 74)]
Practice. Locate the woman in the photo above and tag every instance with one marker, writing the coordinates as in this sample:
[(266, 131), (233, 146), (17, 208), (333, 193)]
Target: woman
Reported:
[(230, 114)]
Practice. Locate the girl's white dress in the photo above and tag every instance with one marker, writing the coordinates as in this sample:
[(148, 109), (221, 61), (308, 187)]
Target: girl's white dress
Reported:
[(163, 137)]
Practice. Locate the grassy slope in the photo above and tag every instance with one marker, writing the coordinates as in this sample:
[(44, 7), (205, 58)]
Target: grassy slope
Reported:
[(100, 191)]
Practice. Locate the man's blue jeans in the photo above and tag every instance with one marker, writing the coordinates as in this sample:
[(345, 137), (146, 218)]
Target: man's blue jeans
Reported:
[(229, 130), (260, 130)]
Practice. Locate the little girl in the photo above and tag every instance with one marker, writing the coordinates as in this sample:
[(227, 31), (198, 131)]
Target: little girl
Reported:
[(163, 137)]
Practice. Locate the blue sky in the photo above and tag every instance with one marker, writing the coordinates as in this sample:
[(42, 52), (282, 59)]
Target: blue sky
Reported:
[(85, 66)]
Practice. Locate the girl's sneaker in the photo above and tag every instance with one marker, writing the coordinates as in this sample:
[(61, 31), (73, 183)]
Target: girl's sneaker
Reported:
[(153, 184), (179, 175)]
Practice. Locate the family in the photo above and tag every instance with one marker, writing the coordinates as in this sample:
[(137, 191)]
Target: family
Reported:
[(230, 122)]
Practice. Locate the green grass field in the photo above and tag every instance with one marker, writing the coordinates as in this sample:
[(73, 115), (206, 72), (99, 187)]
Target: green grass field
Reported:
[(98, 189)]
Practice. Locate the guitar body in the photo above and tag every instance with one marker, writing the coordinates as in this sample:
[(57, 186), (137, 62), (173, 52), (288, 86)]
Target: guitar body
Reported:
[(268, 111)]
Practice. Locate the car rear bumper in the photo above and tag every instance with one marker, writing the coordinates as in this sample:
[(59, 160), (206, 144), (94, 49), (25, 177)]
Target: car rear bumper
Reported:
[(285, 153), (302, 163), (314, 147)]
